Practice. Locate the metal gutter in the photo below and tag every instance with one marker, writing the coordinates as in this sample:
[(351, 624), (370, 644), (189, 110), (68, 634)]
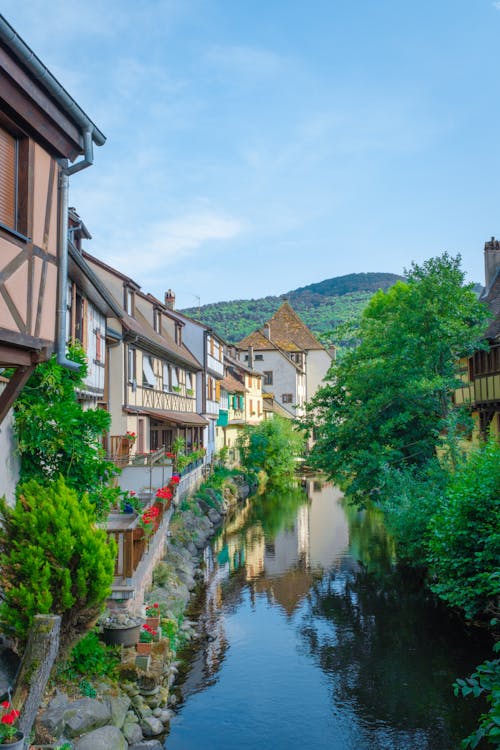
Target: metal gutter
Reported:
[(42, 74)]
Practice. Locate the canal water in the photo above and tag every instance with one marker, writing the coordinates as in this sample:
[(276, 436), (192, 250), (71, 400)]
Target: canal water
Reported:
[(312, 640)]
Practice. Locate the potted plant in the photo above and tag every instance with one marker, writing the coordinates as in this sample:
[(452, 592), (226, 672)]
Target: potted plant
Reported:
[(145, 640), (121, 629), (130, 503), (153, 615), (165, 495), (10, 735)]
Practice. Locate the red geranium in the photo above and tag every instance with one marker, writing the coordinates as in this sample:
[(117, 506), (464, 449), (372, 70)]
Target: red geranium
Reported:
[(8, 730)]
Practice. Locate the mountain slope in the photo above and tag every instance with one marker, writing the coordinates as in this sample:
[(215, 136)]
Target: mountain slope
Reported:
[(322, 306)]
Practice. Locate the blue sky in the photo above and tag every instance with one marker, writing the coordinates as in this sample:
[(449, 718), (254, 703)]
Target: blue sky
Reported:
[(254, 146)]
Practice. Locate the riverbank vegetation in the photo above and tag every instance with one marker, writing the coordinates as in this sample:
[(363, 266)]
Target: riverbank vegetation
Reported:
[(56, 436), (388, 431), (270, 449)]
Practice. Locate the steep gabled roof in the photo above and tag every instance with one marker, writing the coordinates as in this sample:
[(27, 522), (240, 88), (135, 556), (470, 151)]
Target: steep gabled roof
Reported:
[(287, 330)]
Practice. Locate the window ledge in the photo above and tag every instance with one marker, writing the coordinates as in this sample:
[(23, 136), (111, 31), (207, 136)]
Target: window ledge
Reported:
[(14, 233)]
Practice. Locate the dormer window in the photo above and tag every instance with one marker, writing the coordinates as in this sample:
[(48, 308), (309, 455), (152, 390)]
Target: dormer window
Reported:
[(157, 321), (129, 301), (178, 334)]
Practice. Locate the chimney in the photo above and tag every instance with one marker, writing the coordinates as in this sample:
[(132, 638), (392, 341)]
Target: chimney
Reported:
[(267, 331), (491, 261), (169, 299), (250, 357)]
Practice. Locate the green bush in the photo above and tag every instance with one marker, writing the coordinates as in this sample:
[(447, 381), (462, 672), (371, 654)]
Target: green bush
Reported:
[(53, 559), (464, 541), (91, 658), (57, 436)]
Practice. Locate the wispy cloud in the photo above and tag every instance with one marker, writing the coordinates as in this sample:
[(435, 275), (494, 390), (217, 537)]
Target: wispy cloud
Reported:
[(164, 243), (496, 4)]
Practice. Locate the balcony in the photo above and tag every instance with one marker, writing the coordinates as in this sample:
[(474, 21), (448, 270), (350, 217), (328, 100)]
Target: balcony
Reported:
[(153, 398), (215, 365)]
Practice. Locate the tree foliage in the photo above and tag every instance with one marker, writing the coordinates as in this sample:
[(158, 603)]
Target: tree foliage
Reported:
[(464, 538), (271, 447), (57, 436), (387, 402), (53, 559)]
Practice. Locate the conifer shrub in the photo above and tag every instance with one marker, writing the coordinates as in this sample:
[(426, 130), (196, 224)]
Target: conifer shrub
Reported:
[(53, 560)]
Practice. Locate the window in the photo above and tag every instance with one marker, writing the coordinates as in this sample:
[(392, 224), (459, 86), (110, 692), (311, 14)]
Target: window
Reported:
[(167, 379), (286, 398), (8, 179), (178, 334), (258, 357), (268, 377), (129, 301), (157, 321), (189, 381), (131, 365), (148, 376)]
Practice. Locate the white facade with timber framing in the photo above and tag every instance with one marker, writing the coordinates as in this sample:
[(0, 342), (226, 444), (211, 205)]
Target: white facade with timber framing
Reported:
[(208, 348), (151, 385), (42, 129)]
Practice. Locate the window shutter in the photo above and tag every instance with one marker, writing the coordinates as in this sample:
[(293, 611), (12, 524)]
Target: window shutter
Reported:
[(8, 168)]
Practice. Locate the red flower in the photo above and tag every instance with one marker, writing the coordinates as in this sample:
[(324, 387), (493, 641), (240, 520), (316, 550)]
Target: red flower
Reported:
[(9, 718), (175, 479), (5, 704)]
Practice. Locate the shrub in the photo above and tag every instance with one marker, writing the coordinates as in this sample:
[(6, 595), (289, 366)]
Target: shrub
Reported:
[(465, 535), (53, 559), (91, 658), (272, 447)]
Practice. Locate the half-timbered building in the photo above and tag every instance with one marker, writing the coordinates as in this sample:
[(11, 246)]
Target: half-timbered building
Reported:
[(152, 373), (44, 138), (481, 372)]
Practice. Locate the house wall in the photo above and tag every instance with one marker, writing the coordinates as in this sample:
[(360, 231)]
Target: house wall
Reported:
[(285, 378), (34, 318), (317, 365), (253, 399)]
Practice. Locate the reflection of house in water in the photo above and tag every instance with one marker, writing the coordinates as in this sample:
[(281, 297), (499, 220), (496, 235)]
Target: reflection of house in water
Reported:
[(283, 566), (319, 539)]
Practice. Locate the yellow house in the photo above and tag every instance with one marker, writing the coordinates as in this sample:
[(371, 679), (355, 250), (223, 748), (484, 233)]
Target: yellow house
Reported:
[(480, 373)]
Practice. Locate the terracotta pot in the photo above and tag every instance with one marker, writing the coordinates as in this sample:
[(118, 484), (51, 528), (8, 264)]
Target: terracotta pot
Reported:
[(153, 622), (143, 648)]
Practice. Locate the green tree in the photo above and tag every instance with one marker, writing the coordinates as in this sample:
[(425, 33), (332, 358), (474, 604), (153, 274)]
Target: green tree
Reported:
[(388, 401), (57, 436), (53, 559), (271, 447)]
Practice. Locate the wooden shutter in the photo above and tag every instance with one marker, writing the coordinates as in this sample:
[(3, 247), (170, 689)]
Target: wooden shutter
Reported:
[(8, 169)]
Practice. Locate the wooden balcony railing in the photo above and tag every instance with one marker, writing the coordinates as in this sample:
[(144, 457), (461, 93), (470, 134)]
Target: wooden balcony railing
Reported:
[(131, 539)]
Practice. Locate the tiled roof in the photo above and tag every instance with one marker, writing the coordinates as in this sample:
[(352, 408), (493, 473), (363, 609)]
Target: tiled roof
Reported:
[(141, 326), (231, 385), (287, 330)]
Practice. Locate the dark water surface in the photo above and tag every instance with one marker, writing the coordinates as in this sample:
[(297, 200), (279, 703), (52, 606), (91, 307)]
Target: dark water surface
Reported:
[(311, 640)]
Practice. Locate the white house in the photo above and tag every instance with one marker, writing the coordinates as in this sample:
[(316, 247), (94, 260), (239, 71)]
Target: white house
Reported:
[(292, 361)]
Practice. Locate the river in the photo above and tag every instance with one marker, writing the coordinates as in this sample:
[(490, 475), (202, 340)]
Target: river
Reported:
[(312, 640)]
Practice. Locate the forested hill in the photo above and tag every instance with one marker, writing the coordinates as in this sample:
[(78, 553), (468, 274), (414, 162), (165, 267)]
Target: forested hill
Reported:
[(322, 306)]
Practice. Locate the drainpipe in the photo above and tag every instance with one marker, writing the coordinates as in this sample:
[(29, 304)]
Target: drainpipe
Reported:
[(63, 189)]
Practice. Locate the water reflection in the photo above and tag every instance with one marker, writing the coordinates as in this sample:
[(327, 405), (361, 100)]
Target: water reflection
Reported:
[(312, 636)]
